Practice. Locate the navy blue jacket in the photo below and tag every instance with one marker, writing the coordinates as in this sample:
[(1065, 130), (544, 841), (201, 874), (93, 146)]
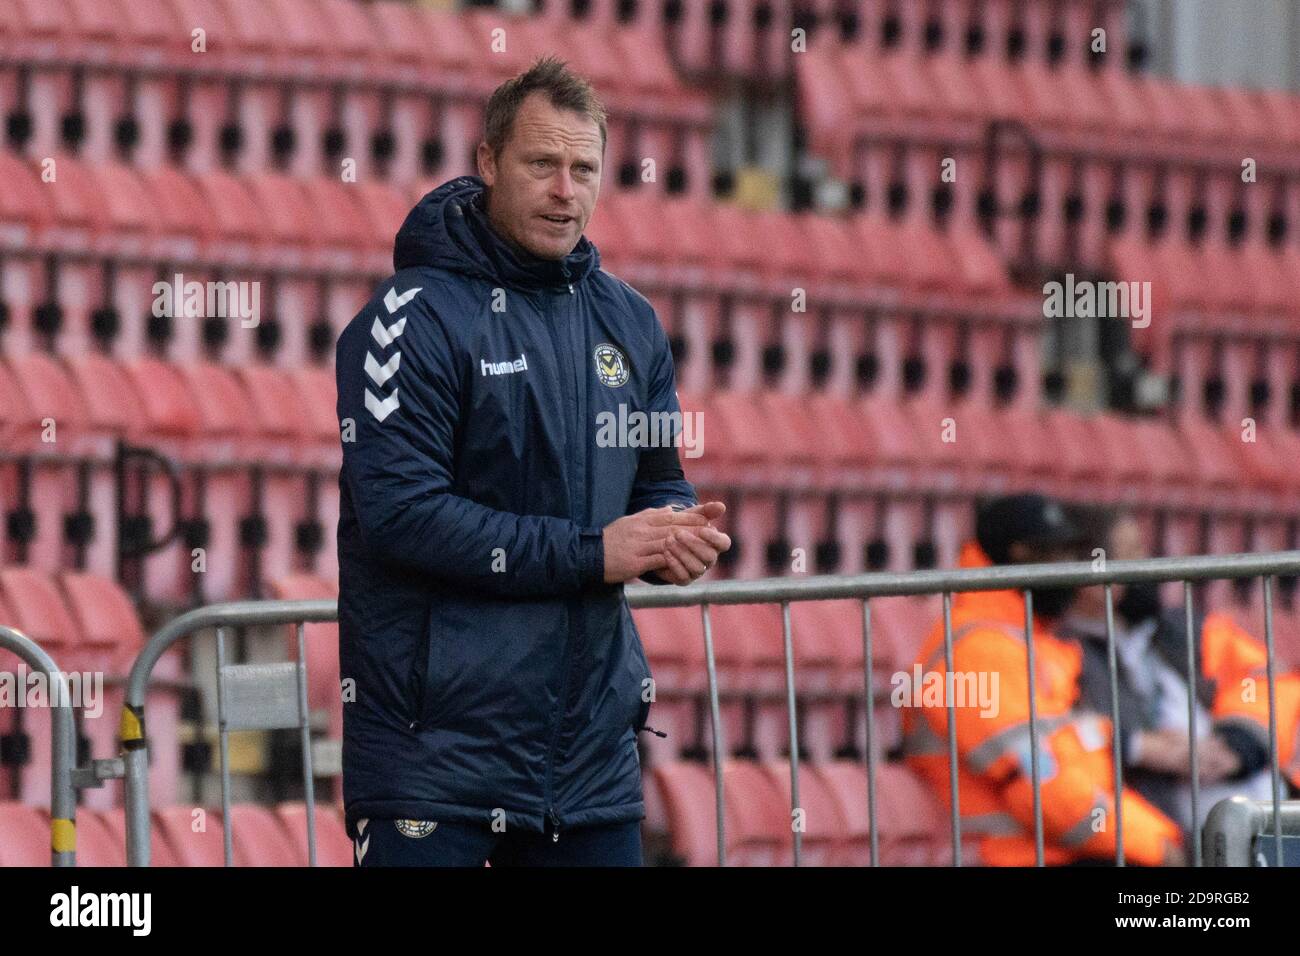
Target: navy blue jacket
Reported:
[(493, 671)]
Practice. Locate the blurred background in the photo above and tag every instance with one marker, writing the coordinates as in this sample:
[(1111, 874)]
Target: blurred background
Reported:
[(845, 213)]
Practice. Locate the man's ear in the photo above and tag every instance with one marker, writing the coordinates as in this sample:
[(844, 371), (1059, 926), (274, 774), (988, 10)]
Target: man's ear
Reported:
[(487, 166)]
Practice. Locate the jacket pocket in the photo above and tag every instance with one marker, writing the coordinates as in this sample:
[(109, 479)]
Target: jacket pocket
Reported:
[(425, 672), (643, 714), (645, 686)]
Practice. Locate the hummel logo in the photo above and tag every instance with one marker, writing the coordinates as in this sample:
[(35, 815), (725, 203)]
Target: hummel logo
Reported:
[(504, 368), (362, 846)]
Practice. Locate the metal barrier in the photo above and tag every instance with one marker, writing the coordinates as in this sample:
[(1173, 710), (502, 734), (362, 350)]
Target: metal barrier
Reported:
[(1237, 833), (243, 708), (249, 697), (63, 747)]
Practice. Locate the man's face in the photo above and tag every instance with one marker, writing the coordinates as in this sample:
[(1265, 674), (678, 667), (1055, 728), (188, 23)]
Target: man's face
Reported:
[(1049, 602), (1127, 542), (544, 183)]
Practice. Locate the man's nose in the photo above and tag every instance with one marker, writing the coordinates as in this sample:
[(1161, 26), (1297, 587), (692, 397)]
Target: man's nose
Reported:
[(562, 185)]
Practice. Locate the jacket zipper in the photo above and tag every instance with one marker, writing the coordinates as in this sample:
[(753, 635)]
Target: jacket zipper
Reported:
[(564, 657)]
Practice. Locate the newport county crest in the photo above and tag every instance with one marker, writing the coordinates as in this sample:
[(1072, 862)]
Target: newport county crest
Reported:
[(415, 828), (611, 366)]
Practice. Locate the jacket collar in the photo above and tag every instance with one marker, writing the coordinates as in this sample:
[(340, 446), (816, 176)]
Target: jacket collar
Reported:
[(449, 228)]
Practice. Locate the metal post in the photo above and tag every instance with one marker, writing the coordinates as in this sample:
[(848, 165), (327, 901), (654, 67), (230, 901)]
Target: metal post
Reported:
[(794, 732), (308, 774), (1192, 704), (1033, 731), (715, 711), (1274, 758), (1117, 749), (871, 741), (226, 838), (953, 788)]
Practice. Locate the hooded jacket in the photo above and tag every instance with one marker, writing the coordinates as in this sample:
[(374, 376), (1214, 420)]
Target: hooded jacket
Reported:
[(494, 676)]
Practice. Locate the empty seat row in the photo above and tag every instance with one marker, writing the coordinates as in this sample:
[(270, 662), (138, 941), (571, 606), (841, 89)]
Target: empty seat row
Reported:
[(338, 41), (394, 91), (268, 223), (835, 821), (1051, 162), (248, 479), (751, 39), (763, 440), (1193, 282), (266, 220), (208, 412), (719, 244), (1109, 107), (183, 836)]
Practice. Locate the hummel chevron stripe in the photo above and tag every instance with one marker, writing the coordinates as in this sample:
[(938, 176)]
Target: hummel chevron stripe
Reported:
[(393, 301), (379, 374), (385, 336), (381, 410)]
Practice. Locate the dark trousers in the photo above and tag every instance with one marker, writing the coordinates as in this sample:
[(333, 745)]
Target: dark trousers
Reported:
[(384, 843)]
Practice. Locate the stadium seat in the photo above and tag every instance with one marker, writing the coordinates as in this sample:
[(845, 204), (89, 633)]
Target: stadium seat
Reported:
[(824, 828), (689, 800), (24, 835), (192, 834), (97, 843), (321, 642), (333, 848), (160, 852), (758, 819), (259, 837)]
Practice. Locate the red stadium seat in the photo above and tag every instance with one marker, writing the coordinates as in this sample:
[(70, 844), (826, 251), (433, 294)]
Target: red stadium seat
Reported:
[(259, 838), (24, 835), (112, 404), (39, 611), (192, 834), (160, 852), (824, 828), (105, 617), (758, 819), (333, 848), (321, 642), (97, 843)]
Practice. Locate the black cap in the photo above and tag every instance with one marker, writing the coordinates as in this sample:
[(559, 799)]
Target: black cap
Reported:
[(1030, 518)]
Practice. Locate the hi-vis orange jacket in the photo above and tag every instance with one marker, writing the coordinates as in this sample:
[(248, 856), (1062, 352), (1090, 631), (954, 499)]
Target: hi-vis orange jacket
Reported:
[(1234, 672), (1076, 770)]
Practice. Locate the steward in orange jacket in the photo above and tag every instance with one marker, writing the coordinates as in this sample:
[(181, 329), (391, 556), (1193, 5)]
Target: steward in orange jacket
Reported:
[(993, 744)]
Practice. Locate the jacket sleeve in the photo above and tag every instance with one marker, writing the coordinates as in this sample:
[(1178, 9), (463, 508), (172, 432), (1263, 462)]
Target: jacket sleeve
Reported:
[(398, 386), (660, 479), (1237, 663), (1077, 798)]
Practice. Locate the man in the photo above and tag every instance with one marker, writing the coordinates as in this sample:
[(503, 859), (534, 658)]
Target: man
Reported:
[(993, 744), (485, 533), (1151, 658)]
